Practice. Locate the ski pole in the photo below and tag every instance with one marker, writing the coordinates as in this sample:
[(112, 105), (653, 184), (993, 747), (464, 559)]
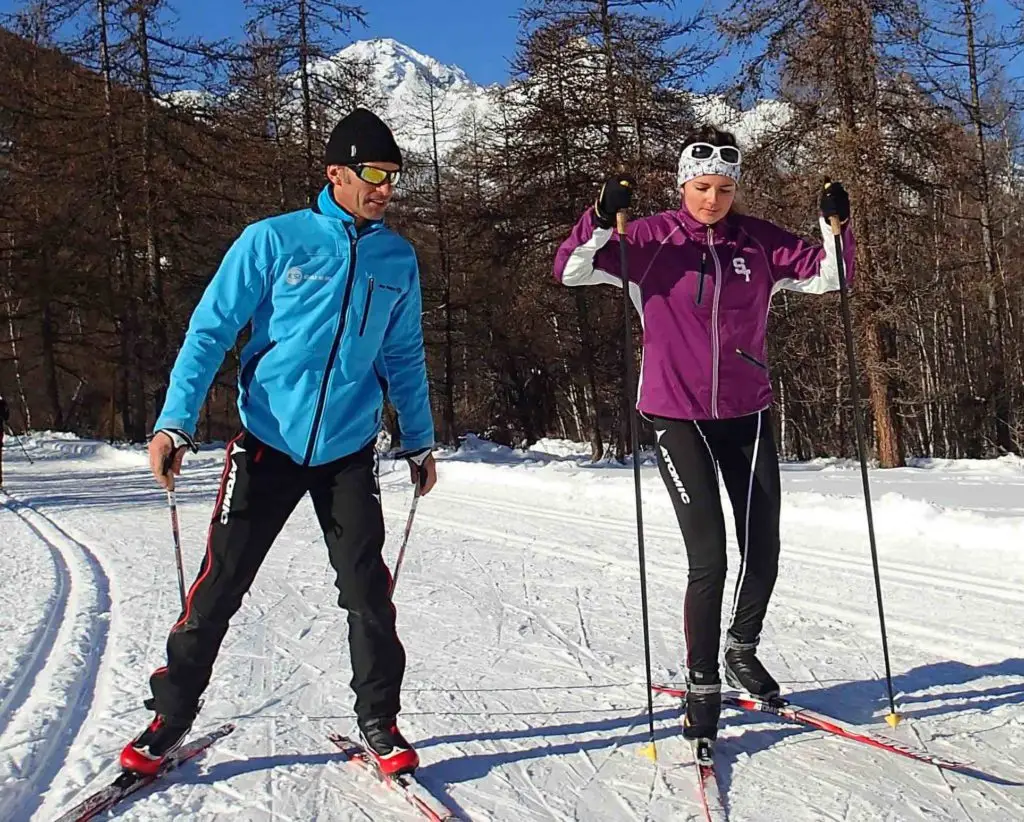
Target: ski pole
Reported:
[(23, 449), (851, 361), (172, 504), (405, 538), (650, 750)]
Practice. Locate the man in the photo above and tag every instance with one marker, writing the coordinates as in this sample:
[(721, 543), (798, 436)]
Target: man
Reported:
[(333, 296)]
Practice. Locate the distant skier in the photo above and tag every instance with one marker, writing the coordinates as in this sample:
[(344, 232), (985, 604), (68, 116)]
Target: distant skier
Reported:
[(5, 415), (702, 279), (334, 299)]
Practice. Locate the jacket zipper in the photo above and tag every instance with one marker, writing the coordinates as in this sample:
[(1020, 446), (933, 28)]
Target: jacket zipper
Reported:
[(700, 286), (715, 342), (318, 414), (751, 359), (366, 308)]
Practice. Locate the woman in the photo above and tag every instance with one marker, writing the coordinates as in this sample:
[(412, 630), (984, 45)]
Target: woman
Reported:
[(702, 279)]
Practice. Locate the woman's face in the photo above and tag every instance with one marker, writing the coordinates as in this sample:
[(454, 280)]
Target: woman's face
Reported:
[(709, 198)]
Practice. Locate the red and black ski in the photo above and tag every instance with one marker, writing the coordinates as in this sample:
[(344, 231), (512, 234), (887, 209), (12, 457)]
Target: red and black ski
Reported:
[(406, 785), (130, 782), (787, 710), (710, 795)]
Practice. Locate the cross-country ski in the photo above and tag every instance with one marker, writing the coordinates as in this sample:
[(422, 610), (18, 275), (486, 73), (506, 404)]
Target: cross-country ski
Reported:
[(707, 780), (129, 782), (404, 785), (794, 713)]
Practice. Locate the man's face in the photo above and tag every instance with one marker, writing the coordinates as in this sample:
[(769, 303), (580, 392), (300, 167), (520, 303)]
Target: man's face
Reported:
[(358, 195)]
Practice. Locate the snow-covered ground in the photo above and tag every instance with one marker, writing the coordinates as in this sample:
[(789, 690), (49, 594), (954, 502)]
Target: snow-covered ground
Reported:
[(519, 609)]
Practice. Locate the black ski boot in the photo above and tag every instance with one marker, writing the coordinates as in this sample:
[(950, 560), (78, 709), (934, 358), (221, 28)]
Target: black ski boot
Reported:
[(703, 705), (390, 750), (744, 671), (146, 753)]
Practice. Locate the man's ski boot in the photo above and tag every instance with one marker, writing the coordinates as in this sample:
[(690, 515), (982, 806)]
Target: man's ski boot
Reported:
[(703, 705), (389, 749), (744, 671), (146, 753)]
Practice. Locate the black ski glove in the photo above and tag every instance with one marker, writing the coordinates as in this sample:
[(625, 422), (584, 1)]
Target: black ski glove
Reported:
[(835, 202), (616, 195)]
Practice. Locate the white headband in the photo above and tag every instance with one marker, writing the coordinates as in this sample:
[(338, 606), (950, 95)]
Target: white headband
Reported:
[(690, 169)]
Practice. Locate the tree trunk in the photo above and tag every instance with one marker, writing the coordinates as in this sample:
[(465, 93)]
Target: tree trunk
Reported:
[(123, 264), (444, 253), (587, 352), (155, 308), (10, 309), (998, 393), (307, 100), (857, 93), (886, 431), (48, 336)]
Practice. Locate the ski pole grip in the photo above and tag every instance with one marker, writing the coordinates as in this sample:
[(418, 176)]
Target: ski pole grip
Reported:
[(621, 219), (837, 227), (167, 469)]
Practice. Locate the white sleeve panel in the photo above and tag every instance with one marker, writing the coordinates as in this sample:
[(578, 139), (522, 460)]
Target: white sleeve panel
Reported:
[(827, 278), (579, 268)]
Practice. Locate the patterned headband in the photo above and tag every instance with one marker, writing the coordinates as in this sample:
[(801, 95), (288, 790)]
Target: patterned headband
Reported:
[(691, 167)]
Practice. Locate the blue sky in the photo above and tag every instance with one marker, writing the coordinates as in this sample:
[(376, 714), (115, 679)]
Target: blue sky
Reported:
[(477, 35)]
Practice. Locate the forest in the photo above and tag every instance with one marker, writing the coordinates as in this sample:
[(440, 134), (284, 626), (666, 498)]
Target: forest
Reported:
[(131, 157)]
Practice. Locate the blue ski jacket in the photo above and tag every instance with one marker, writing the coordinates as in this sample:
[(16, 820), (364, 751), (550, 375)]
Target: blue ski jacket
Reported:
[(336, 327)]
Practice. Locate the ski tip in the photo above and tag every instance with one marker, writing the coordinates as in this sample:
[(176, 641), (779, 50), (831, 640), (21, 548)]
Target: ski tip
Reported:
[(649, 751), (893, 719)]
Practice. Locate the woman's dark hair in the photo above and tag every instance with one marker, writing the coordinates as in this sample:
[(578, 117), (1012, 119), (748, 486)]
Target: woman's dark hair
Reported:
[(709, 134)]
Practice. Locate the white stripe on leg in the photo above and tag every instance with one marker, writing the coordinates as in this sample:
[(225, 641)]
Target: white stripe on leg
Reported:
[(746, 530)]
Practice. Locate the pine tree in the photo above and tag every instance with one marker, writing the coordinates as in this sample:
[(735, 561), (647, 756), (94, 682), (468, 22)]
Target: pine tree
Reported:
[(305, 31)]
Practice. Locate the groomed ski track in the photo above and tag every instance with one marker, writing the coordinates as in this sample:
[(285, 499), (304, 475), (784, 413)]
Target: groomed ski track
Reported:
[(519, 610)]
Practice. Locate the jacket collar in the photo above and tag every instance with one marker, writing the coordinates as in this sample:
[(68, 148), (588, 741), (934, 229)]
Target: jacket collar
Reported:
[(326, 204), (721, 231)]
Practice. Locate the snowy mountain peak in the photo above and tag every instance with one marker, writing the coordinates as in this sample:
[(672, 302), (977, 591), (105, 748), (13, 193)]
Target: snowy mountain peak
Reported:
[(396, 64), (411, 82), (406, 77)]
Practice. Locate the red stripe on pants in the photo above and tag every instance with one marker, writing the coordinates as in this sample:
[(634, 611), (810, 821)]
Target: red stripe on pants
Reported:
[(208, 559)]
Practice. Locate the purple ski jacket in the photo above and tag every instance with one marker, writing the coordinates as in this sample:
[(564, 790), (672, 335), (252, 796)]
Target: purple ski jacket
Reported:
[(703, 294)]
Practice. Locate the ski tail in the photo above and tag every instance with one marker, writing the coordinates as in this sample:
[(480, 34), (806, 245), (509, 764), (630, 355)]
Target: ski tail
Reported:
[(129, 782), (404, 784)]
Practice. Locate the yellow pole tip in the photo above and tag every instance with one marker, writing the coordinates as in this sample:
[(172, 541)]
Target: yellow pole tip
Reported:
[(893, 719), (649, 751)]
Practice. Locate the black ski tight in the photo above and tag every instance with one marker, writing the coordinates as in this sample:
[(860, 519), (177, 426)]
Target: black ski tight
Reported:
[(690, 455)]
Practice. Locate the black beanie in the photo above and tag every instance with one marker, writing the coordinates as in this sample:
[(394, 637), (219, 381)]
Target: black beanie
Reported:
[(362, 137)]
